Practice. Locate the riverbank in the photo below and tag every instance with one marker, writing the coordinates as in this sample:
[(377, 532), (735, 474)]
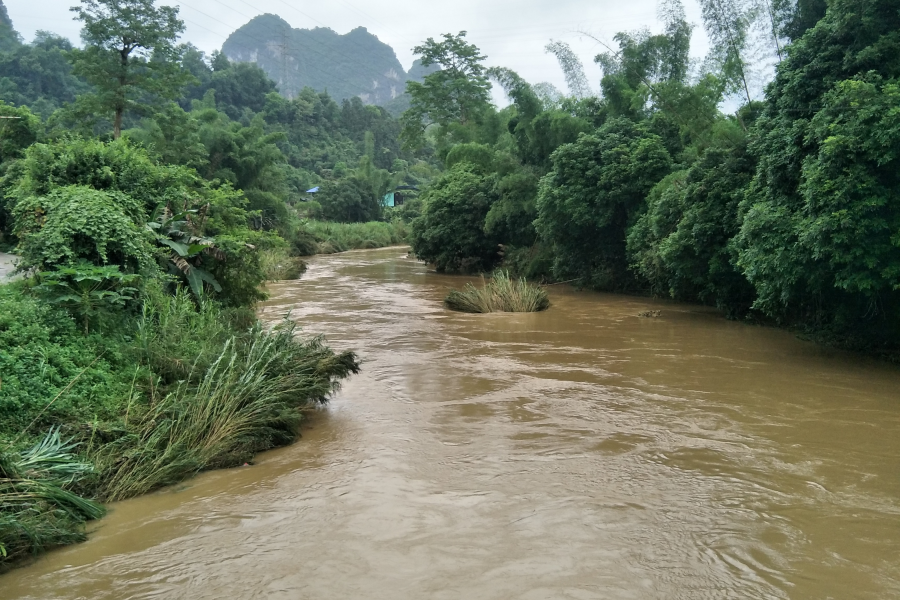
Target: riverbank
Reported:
[(137, 403), (325, 237)]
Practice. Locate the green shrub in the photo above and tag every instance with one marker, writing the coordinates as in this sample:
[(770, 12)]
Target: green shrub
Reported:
[(44, 358), (88, 291), (532, 262), (104, 166), (450, 233), (240, 273), (348, 200), (596, 190), (682, 244), (79, 223)]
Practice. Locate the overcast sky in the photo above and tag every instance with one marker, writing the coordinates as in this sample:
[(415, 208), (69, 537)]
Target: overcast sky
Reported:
[(511, 34)]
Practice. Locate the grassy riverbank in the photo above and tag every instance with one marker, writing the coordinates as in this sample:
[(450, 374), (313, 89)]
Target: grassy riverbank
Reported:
[(146, 400), (324, 237)]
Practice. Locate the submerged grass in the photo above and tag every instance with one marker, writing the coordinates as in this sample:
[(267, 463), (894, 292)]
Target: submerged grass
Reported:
[(38, 510), (500, 294)]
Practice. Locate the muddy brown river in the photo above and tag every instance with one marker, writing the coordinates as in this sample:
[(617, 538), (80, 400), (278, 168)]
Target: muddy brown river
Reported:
[(580, 453)]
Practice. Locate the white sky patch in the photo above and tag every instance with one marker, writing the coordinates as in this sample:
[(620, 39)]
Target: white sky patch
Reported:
[(511, 35)]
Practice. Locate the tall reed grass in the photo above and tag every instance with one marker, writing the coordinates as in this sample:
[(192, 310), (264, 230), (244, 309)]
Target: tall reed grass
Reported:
[(500, 294), (249, 399), (38, 509), (278, 265)]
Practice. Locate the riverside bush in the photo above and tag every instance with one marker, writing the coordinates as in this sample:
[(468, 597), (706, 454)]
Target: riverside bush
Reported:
[(44, 357), (248, 400), (37, 508)]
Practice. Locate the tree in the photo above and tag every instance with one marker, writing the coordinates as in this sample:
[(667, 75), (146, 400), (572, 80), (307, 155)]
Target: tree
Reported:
[(450, 233), (682, 244), (9, 37), (643, 73), (18, 130), (728, 27), (819, 239), (572, 68), (456, 94), (130, 53), (39, 74), (594, 193), (348, 200), (79, 223)]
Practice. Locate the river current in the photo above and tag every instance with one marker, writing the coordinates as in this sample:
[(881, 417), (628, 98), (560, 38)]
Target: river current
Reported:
[(583, 452)]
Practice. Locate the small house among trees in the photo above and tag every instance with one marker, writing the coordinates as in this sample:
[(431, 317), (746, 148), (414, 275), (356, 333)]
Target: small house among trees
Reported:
[(399, 195)]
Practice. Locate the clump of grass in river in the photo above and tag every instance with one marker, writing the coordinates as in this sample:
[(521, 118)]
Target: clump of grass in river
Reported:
[(500, 294), (38, 509), (248, 400)]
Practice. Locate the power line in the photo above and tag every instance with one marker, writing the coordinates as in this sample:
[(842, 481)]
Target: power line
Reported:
[(351, 60), (263, 43)]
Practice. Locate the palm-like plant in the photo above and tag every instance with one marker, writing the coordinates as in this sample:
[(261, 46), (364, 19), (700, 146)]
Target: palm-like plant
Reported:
[(87, 289), (177, 231)]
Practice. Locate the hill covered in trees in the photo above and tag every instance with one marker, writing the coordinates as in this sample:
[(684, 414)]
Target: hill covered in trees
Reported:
[(354, 64), (8, 37)]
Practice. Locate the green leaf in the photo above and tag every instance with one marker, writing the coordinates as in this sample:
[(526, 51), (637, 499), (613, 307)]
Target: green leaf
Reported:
[(181, 249)]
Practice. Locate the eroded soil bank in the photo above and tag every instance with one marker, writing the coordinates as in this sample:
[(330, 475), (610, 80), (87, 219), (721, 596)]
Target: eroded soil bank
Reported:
[(582, 452)]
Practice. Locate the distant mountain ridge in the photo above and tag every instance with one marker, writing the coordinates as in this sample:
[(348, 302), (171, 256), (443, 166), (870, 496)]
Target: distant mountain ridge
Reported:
[(354, 64), (9, 38), (4, 16)]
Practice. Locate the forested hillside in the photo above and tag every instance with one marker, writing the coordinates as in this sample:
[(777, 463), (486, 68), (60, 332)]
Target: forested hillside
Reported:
[(353, 64)]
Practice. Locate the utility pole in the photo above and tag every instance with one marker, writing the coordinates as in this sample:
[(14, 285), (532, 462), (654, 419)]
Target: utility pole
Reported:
[(284, 47)]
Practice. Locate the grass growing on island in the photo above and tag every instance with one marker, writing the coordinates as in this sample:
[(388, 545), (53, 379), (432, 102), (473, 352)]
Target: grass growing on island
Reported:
[(500, 294)]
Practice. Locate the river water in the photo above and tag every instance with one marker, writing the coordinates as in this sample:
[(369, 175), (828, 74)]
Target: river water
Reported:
[(583, 452)]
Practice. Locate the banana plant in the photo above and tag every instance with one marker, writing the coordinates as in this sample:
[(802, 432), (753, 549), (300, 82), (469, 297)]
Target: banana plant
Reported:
[(185, 248)]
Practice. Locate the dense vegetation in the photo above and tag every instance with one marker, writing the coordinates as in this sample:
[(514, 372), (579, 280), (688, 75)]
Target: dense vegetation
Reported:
[(786, 210), (149, 192)]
